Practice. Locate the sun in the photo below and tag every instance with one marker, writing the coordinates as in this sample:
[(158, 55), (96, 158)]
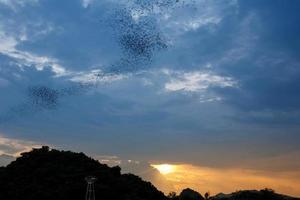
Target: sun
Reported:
[(164, 168)]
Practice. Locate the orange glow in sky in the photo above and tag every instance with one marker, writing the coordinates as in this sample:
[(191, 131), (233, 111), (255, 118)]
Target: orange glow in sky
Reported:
[(218, 180), (165, 168)]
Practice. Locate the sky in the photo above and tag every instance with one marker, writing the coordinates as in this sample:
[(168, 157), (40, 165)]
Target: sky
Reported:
[(209, 87)]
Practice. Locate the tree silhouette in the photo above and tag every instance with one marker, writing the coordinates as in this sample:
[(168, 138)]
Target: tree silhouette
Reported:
[(189, 194), (207, 195), (172, 195), (51, 174)]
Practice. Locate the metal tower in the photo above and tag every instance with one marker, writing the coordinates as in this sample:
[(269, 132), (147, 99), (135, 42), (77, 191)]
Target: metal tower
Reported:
[(90, 190)]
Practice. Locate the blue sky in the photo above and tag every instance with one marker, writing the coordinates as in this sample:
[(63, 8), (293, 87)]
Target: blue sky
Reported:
[(209, 83)]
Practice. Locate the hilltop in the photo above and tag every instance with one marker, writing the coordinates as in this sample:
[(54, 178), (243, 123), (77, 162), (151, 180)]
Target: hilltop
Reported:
[(52, 174), (265, 194)]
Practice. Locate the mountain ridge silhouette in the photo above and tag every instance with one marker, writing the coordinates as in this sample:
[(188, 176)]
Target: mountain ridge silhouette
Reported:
[(60, 175)]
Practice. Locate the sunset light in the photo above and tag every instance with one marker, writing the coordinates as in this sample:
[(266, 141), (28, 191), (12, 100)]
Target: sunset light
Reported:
[(182, 176), (164, 168), (150, 99)]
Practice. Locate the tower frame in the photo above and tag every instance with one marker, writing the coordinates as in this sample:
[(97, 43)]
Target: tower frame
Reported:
[(90, 190)]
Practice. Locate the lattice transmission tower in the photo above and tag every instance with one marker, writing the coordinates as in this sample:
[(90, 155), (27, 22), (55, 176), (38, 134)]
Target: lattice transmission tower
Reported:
[(90, 190)]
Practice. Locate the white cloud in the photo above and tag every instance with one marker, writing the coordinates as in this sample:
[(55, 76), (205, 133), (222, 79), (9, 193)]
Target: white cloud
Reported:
[(193, 15), (209, 99), (179, 17), (96, 76), (197, 81), (9, 48), (14, 4), (24, 58), (195, 23), (109, 160), (13, 147), (7, 43), (86, 3)]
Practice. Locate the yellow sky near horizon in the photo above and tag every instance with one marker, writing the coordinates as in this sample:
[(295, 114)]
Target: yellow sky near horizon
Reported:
[(280, 173), (216, 180)]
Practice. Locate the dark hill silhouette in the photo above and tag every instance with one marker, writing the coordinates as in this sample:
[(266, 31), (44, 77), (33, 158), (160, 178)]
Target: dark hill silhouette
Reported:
[(189, 194), (59, 175), (265, 194), (44, 174)]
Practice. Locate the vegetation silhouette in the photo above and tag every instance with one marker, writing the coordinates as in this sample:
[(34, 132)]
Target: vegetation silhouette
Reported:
[(189, 194), (52, 174), (265, 194), (207, 195)]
